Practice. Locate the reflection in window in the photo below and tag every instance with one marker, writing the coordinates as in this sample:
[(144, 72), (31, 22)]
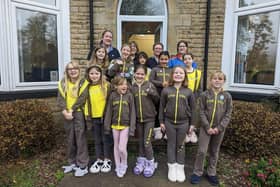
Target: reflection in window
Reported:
[(142, 7), (47, 2), (37, 46), (243, 3), (256, 48)]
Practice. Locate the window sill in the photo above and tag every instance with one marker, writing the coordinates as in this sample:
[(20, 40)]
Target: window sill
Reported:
[(13, 95)]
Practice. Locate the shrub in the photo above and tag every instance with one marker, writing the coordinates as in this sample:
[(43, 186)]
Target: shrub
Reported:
[(27, 127), (263, 173), (254, 130)]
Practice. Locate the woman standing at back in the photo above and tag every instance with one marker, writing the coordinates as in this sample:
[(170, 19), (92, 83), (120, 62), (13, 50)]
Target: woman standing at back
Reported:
[(106, 41)]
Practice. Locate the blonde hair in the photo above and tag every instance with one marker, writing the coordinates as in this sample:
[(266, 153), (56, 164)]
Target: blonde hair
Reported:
[(219, 74), (102, 81), (68, 78), (93, 59), (171, 80)]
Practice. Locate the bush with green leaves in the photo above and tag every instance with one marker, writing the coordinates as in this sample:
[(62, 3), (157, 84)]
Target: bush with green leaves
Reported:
[(254, 130), (26, 128)]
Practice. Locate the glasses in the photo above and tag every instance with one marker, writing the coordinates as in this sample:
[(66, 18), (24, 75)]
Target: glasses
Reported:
[(182, 46)]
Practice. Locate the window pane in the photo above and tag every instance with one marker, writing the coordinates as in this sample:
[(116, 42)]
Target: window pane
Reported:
[(142, 7), (243, 3), (37, 46), (256, 48), (47, 2)]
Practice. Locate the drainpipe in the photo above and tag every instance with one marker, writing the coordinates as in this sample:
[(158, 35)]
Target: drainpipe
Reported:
[(91, 29), (206, 44)]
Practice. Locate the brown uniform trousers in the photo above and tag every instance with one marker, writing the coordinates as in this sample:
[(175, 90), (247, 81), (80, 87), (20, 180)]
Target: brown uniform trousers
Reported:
[(214, 143), (145, 135), (77, 149)]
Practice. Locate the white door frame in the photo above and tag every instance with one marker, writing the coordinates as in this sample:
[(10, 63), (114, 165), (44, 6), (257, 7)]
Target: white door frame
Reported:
[(127, 18)]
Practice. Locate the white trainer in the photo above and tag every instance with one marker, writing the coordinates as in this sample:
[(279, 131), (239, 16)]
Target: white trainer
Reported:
[(81, 172), (68, 169)]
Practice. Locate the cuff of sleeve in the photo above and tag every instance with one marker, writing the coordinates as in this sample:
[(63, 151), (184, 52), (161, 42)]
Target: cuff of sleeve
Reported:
[(220, 128)]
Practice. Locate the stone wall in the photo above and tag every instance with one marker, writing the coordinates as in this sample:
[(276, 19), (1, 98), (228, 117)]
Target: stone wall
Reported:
[(186, 20)]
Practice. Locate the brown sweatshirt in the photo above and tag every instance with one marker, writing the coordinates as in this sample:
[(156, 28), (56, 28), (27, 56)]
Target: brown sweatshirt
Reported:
[(146, 98), (120, 110), (82, 95), (215, 109), (158, 75), (177, 105)]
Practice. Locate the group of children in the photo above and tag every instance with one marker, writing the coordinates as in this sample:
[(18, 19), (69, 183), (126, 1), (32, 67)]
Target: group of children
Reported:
[(120, 96)]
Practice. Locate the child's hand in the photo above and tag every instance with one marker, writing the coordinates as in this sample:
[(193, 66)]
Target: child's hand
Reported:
[(165, 84), (216, 130), (120, 62), (192, 128), (162, 126), (210, 131)]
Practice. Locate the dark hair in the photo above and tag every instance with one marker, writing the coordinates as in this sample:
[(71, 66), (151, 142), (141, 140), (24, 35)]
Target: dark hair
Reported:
[(140, 66), (190, 54), (158, 43), (171, 81), (182, 41), (142, 54), (165, 53)]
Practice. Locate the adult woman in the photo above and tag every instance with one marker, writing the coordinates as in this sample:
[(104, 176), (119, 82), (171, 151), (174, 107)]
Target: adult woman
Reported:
[(106, 41)]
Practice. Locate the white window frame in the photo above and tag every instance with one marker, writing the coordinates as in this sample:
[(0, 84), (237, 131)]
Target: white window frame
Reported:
[(232, 13), (132, 18), (9, 48)]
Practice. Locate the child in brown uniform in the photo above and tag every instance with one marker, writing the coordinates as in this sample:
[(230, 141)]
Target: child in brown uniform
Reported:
[(176, 110), (146, 98), (120, 117), (72, 94), (215, 114)]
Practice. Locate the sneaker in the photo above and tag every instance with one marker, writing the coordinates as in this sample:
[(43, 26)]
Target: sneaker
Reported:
[(172, 172), (213, 180), (150, 167), (188, 138), (68, 169), (106, 167), (180, 173), (140, 165), (195, 179), (96, 166), (122, 170), (79, 172), (118, 173)]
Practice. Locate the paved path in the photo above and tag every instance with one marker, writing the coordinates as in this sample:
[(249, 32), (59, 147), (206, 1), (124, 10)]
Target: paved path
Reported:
[(131, 180)]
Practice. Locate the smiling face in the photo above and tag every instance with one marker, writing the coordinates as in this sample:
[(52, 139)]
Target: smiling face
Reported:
[(163, 60), (217, 81), (73, 71), (122, 87), (179, 75), (157, 50), (94, 75), (100, 54), (125, 52), (134, 49), (140, 75), (182, 48), (188, 60), (107, 38)]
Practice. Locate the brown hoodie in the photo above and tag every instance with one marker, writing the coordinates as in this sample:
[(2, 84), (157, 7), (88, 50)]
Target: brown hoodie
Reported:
[(177, 105), (158, 75), (123, 115), (215, 109), (146, 98)]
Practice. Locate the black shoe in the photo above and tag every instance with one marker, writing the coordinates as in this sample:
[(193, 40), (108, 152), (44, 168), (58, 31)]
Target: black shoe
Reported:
[(213, 180), (195, 179)]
